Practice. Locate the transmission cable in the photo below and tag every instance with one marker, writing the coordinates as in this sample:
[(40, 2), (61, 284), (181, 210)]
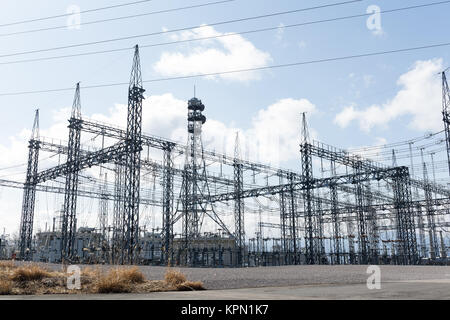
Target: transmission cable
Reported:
[(117, 18), (201, 75), (69, 14), (180, 29), (296, 25)]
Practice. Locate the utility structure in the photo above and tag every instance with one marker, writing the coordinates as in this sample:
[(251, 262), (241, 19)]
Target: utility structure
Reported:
[(132, 167), (446, 114), (195, 191), (307, 177), (73, 162), (239, 202), (126, 152), (29, 193), (340, 217)]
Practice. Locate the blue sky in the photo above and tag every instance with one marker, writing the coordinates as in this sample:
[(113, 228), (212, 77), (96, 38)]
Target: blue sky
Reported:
[(325, 89)]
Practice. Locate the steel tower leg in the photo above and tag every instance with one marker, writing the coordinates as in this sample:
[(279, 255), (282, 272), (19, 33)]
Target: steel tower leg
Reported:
[(167, 234), (29, 194), (70, 199), (361, 221), (434, 248), (446, 114), (133, 162), (336, 224), (284, 224), (406, 232), (293, 216), (335, 217), (117, 248), (321, 257), (239, 211), (307, 176), (372, 227), (420, 225)]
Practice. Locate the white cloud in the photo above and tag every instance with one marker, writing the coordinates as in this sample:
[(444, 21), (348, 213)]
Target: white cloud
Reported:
[(419, 98), (213, 55)]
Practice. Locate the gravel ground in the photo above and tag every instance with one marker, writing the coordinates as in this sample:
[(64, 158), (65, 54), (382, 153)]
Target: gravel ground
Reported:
[(233, 278)]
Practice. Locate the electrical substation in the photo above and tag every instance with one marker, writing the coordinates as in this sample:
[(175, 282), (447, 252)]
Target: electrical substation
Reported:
[(216, 210)]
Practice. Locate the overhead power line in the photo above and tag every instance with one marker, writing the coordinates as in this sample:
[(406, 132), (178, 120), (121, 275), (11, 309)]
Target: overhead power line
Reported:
[(180, 29), (293, 64), (396, 144), (69, 14), (296, 25), (119, 18)]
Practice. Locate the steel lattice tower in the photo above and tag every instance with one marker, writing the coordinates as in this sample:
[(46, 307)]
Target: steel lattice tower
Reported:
[(239, 202), (292, 203), (434, 247), (103, 209), (446, 114), (117, 239), (195, 193), (406, 230), (133, 143), (29, 194), (307, 176), (194, 166), (168, 197), (335, 216), (70, 199), (361, 219)]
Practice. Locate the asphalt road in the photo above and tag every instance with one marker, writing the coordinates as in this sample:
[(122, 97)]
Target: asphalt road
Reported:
[(409, 290)]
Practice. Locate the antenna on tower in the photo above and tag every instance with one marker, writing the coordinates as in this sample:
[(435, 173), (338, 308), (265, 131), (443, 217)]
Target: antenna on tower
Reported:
[(136, 73), (76, 107), (305, 132), (237, 147), (35, 132), (394, 158)]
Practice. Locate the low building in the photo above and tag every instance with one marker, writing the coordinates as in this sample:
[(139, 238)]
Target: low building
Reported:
[(89, 246), (150, 248), (208, 250)]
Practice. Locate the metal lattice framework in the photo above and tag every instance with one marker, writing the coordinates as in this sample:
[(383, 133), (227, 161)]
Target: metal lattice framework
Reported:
[(133, 148), (446, 114), (73, 162), (29, 193), (239, 203), (348, 210)]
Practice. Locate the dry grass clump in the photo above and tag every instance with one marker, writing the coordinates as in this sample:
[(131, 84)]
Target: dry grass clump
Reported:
[(174, 277), (29, 273), (120, 280), (112, 285), (90, 272), (7, 265), (5, 287), (36, 280), (178, 280), (133, 275), (191, 286)]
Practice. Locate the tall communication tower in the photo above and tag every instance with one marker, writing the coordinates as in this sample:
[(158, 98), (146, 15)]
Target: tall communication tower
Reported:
[(195, 190)]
